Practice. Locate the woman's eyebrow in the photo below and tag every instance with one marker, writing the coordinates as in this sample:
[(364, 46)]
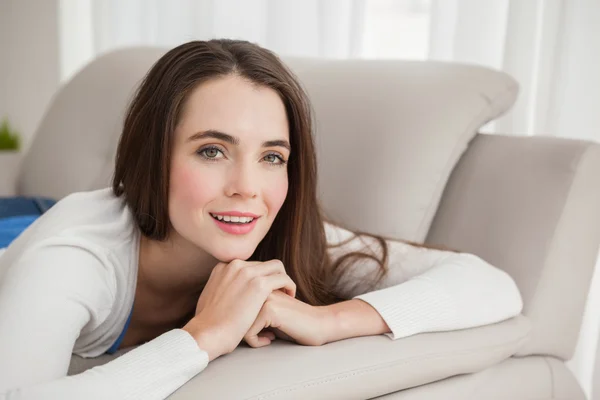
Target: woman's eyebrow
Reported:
[(211, 133)]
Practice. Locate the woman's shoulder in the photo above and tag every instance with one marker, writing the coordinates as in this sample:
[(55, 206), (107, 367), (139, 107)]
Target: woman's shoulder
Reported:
[(96, 217), (95, 224), (88, 202)]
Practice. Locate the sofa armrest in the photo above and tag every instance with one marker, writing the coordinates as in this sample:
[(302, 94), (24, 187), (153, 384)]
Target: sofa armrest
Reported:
[(9, 171), (530, 206), (356, 368)]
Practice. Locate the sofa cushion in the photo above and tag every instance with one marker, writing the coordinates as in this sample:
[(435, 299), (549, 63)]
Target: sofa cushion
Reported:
[(356, 368), (546, 378), (389, 133)]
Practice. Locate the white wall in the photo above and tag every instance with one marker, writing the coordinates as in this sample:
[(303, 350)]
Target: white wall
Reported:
[(29, 68)]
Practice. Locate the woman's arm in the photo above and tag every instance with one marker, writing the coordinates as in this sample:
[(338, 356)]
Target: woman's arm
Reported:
[(425, 290), (46, 300)]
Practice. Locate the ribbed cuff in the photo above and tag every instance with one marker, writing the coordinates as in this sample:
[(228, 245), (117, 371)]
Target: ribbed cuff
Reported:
[(157, 368), (412, 307)]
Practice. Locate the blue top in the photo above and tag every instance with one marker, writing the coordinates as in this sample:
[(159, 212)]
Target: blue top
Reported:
[(117, 342)]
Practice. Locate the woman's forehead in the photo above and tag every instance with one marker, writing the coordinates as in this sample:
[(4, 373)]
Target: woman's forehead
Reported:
[(237, 107)]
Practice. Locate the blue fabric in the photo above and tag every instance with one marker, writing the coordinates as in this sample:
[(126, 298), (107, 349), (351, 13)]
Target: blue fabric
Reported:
[(116, 344), (17, 213), (21, 205), (12, 227)]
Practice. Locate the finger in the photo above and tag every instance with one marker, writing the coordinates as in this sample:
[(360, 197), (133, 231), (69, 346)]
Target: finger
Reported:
[(258, 341), (269, 268), (282, 335), (253, 337), (291, 293), (280, 281), (267, 334), (266, 268), (288, 291)]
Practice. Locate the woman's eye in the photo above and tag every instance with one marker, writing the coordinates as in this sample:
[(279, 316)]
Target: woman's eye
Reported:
[(210, 153), (275, 159)]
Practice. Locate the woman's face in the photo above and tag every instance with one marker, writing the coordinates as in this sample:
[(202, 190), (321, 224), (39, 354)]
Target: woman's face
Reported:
[(227, 158)]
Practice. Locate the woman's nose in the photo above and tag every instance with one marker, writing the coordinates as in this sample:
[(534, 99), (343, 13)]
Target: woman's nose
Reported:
[(243, 182)]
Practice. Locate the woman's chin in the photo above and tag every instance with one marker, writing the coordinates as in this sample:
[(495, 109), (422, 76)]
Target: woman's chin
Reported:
[(227, 256)]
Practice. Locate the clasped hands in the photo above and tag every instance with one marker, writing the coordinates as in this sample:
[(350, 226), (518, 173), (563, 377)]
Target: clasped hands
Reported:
[(254, 302)]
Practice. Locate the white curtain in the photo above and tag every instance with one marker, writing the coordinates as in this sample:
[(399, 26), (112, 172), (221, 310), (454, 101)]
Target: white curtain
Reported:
[(303, 28), (313, 28), (552, 47)]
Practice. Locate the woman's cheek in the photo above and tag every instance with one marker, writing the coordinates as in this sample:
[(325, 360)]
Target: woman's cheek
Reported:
[(277, 194), (193, 186)]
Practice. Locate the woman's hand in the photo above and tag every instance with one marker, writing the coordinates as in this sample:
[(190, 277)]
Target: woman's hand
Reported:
[(290, 319), (231, 301)]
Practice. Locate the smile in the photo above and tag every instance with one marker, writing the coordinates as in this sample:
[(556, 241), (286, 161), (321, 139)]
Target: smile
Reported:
[(233, 219), (235, 227)]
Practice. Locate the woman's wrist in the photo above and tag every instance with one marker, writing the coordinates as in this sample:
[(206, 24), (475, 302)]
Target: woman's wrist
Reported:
[(330, 323), (204, 339), (352, 318)]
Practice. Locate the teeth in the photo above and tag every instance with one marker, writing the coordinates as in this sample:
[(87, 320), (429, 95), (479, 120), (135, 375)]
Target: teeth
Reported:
[(228, 218)]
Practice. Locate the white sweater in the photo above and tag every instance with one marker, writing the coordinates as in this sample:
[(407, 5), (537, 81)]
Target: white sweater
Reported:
[(67, 286)]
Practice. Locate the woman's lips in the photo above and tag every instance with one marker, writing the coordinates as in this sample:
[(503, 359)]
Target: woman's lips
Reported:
[(236, 229)]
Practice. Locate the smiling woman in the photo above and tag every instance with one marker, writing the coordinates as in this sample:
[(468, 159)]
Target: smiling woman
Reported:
[(232, 134), (212, 235)]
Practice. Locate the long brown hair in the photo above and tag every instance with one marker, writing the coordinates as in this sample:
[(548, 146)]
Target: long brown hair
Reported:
[(297, 236)]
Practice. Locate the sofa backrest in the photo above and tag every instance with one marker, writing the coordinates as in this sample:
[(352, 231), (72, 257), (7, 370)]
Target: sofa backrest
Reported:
[(73, 149), (388, 133)]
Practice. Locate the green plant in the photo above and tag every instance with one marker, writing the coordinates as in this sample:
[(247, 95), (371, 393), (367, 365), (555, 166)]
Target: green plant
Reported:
[(9, 138)]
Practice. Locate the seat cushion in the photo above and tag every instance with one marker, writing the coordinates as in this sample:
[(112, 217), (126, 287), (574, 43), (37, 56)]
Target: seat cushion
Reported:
[(356, 368), (533, 377)]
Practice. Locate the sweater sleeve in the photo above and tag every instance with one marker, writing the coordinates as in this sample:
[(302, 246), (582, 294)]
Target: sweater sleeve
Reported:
[(47, 298), (425, 290)]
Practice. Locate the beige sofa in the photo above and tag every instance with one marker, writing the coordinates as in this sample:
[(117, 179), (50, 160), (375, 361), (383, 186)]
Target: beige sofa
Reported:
[(399, 154)]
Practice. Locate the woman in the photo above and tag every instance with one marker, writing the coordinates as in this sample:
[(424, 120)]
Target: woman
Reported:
[(212, 235)]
